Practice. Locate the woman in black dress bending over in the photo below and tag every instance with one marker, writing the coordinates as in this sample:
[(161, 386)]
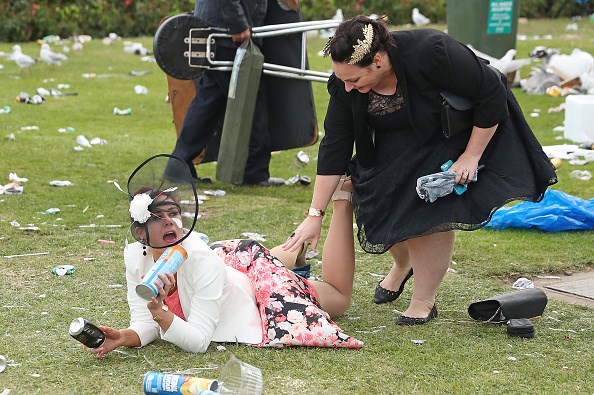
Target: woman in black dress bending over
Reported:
[(385, 99)]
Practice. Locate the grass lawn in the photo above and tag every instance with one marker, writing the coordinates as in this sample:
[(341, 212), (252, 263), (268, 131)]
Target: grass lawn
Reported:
[(459, 355)]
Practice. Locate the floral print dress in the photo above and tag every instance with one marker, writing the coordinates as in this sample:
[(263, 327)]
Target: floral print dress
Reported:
[(288, 304)]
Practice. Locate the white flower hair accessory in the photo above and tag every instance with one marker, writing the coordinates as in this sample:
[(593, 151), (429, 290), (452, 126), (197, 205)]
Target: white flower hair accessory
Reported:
[(363, 47), (139, 208), (139, 205)]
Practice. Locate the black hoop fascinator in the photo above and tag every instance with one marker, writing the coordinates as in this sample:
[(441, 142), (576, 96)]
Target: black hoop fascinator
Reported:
[(163, 201)]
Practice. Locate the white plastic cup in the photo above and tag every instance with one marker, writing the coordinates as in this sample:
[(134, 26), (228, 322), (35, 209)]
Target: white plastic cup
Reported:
[(240, 378)]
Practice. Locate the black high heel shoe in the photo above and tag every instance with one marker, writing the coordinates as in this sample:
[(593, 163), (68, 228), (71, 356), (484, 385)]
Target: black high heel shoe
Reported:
[(383, 295), (409, 321)]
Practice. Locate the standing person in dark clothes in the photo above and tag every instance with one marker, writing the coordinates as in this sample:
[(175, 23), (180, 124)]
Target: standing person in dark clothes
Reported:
[(200, 122), (385, 99)]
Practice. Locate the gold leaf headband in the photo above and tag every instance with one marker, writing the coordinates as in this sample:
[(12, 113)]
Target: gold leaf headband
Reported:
[(362, 48)]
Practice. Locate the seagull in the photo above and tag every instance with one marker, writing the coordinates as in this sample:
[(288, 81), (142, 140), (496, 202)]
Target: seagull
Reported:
[(22, 60), (327, 33), (338, 16), (418, 18), (506, 64), (573, 65), (49, 57)]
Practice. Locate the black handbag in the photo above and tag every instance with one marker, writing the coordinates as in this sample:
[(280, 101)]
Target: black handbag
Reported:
[(520, 327), (456, 114), (525, 303)]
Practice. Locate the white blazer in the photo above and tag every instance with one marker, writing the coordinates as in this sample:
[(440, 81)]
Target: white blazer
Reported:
[(217, 300)]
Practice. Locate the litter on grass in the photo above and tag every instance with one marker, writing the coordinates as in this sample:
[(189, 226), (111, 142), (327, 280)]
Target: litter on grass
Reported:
[(301, 159), (29, 254), (523, 283), (303, 180), (63, 270), (60, 183), (557, 211), (218, 192)]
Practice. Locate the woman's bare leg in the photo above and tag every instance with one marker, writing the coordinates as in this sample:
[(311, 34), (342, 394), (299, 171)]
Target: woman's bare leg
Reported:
[(399, 270), (288, 258), (430, 257), (338, 261)]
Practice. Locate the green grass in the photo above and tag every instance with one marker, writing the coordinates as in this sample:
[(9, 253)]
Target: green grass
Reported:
[(459, 355)]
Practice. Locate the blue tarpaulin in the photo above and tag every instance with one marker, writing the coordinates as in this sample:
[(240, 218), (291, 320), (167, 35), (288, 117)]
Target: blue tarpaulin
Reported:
[(557, 211)]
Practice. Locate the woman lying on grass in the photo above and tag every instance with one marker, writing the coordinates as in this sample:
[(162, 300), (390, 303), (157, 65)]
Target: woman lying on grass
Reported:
[(234, 290)]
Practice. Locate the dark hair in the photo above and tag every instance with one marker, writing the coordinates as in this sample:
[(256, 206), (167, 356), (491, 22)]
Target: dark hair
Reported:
[(340, 46)]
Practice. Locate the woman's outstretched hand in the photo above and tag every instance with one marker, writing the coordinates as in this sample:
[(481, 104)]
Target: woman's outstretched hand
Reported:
[(309, 230), (113, 340)]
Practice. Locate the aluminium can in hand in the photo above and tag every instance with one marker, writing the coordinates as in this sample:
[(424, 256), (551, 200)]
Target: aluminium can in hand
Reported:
[(168, 262), (86, 332)]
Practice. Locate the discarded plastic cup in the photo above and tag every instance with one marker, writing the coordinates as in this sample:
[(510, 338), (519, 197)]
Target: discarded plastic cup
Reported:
[(2, 363), (53, 210), (36, 99), (5, 110), (125, 111), (240, 378), (140, 90), (523, 283), (98, 141), (43, 92), (583, 175), (82, 140), (301, 159), (68, 129), (63, 86)]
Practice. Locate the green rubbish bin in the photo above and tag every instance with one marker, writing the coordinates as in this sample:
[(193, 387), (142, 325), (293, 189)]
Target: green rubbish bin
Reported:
[(490, 26)]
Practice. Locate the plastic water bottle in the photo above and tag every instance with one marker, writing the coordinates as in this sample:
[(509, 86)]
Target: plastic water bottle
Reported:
[(5, 110)]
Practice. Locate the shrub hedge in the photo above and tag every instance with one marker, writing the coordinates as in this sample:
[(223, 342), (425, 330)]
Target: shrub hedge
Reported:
[(26, 20)]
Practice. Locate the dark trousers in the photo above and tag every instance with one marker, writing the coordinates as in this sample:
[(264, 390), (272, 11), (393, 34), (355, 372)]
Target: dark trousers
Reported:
[(206, 109)]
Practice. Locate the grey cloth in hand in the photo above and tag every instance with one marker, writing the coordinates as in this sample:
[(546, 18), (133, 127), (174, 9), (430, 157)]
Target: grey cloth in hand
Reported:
[(433, 186)]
